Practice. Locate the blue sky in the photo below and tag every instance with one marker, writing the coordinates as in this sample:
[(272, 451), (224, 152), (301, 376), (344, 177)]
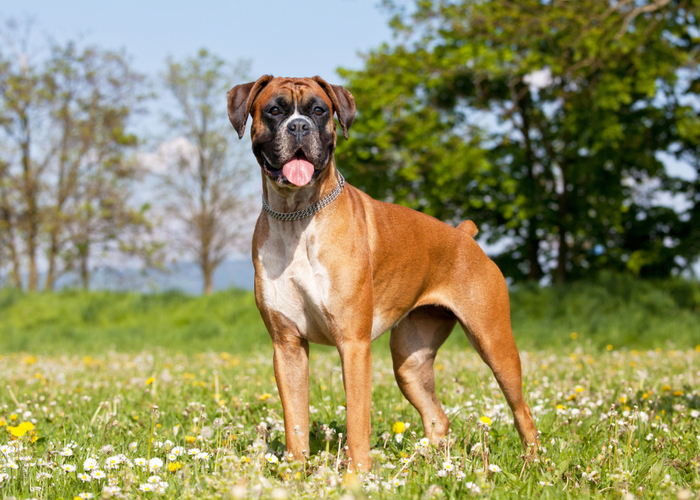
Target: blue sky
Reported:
[(284, 38)]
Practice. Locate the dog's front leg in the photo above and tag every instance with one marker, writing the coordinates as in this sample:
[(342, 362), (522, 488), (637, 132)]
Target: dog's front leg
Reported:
[(356, 358), (291, 361)]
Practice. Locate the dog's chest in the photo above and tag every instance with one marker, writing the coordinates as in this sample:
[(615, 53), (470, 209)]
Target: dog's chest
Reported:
[(295, 283)]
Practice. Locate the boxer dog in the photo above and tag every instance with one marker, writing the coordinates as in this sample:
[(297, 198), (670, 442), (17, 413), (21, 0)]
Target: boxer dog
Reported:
[(336, 267)]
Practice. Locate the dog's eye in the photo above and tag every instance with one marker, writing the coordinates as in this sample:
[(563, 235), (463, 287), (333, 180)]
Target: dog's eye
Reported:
[(274, 111), (319, 111)]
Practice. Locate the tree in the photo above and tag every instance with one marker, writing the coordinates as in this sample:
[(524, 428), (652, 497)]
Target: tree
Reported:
[(206, 186), (578, 98), (64, 124)]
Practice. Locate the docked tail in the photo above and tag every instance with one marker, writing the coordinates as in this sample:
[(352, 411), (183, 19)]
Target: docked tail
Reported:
[(469, 227)]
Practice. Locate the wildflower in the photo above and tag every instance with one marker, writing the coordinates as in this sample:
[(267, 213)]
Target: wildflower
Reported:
[(398, 427), (154, 479), (111, 490), (190, 439), (424, 442), (21, 429), (114, 462), (68, 467), (494, 468), (665, 388), (398, 438), (405, 460), (89, 464), (694, 413), (265, 396), (177, 451), (174, 466), (98, 474), (66, 452), (155, 464), (545, 483), (472, 487), (141, 462), (448, 466), (271, 458), (441, 473), (485, 420), (150, 380), (202, 456), (677, 393), (147, 487), (133, 446), (396, 482), (86, 495), (649, 437), (84, 477), (12, 465)]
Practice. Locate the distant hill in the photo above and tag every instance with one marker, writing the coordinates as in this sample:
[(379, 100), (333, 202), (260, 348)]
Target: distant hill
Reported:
[(183, 276)]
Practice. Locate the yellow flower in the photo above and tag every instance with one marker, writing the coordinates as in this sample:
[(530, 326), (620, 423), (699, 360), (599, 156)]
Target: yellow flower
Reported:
[(264, 396), (190, 439), (173, 466), (486, 420), (609, 347), (30, 360), (677, 393), (665, 387), (560, 407), (645, 395), (399, 427), (623, 399), (579, 389), (21, 429), (3, 422), (13, 417), (697, 347), (574, 336), (150, 380), (571, 397)]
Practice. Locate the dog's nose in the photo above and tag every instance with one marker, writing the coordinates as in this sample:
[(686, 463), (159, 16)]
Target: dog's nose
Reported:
[(299, 128)]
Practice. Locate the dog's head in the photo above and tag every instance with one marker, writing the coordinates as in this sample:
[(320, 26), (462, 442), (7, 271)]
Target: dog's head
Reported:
[(293, 131)]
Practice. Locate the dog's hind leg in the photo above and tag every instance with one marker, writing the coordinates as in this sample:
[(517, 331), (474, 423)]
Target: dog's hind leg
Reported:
[(485, 318), (414, 344)]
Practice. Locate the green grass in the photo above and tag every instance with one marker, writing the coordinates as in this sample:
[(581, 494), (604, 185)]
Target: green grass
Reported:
[(610, 423), (610, 310), (127, 377)]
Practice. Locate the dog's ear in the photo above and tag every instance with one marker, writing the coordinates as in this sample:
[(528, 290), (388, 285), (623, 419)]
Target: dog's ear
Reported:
[(343, 102), (240, 102)]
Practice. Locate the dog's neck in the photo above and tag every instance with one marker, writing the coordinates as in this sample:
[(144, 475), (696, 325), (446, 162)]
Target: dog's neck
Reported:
[(291, 198)]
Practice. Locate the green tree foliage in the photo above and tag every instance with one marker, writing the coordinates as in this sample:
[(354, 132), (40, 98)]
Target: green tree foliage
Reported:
[(541, 121)]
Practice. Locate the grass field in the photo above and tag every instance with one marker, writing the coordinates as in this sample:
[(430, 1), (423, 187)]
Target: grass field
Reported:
[(171, 396)]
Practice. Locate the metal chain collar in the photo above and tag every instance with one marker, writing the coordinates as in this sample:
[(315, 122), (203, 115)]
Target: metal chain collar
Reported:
[(308, 211)]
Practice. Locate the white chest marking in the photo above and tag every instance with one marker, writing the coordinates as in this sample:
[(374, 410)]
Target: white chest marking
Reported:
[(295, 283)]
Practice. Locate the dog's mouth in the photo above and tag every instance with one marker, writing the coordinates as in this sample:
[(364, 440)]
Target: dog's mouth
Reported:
[(297, 171)]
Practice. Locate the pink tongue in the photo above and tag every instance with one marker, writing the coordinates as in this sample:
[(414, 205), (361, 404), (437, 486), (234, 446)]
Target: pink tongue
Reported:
[(298, 171)]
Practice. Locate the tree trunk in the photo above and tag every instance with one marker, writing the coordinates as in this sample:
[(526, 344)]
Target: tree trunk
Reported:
[(84, 268), (533, 251), (32, 216), (53, 250), (560, 276), (533, 242), (208, 284)]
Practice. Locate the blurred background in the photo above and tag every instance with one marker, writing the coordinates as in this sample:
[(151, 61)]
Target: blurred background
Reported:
[(568, 131)]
